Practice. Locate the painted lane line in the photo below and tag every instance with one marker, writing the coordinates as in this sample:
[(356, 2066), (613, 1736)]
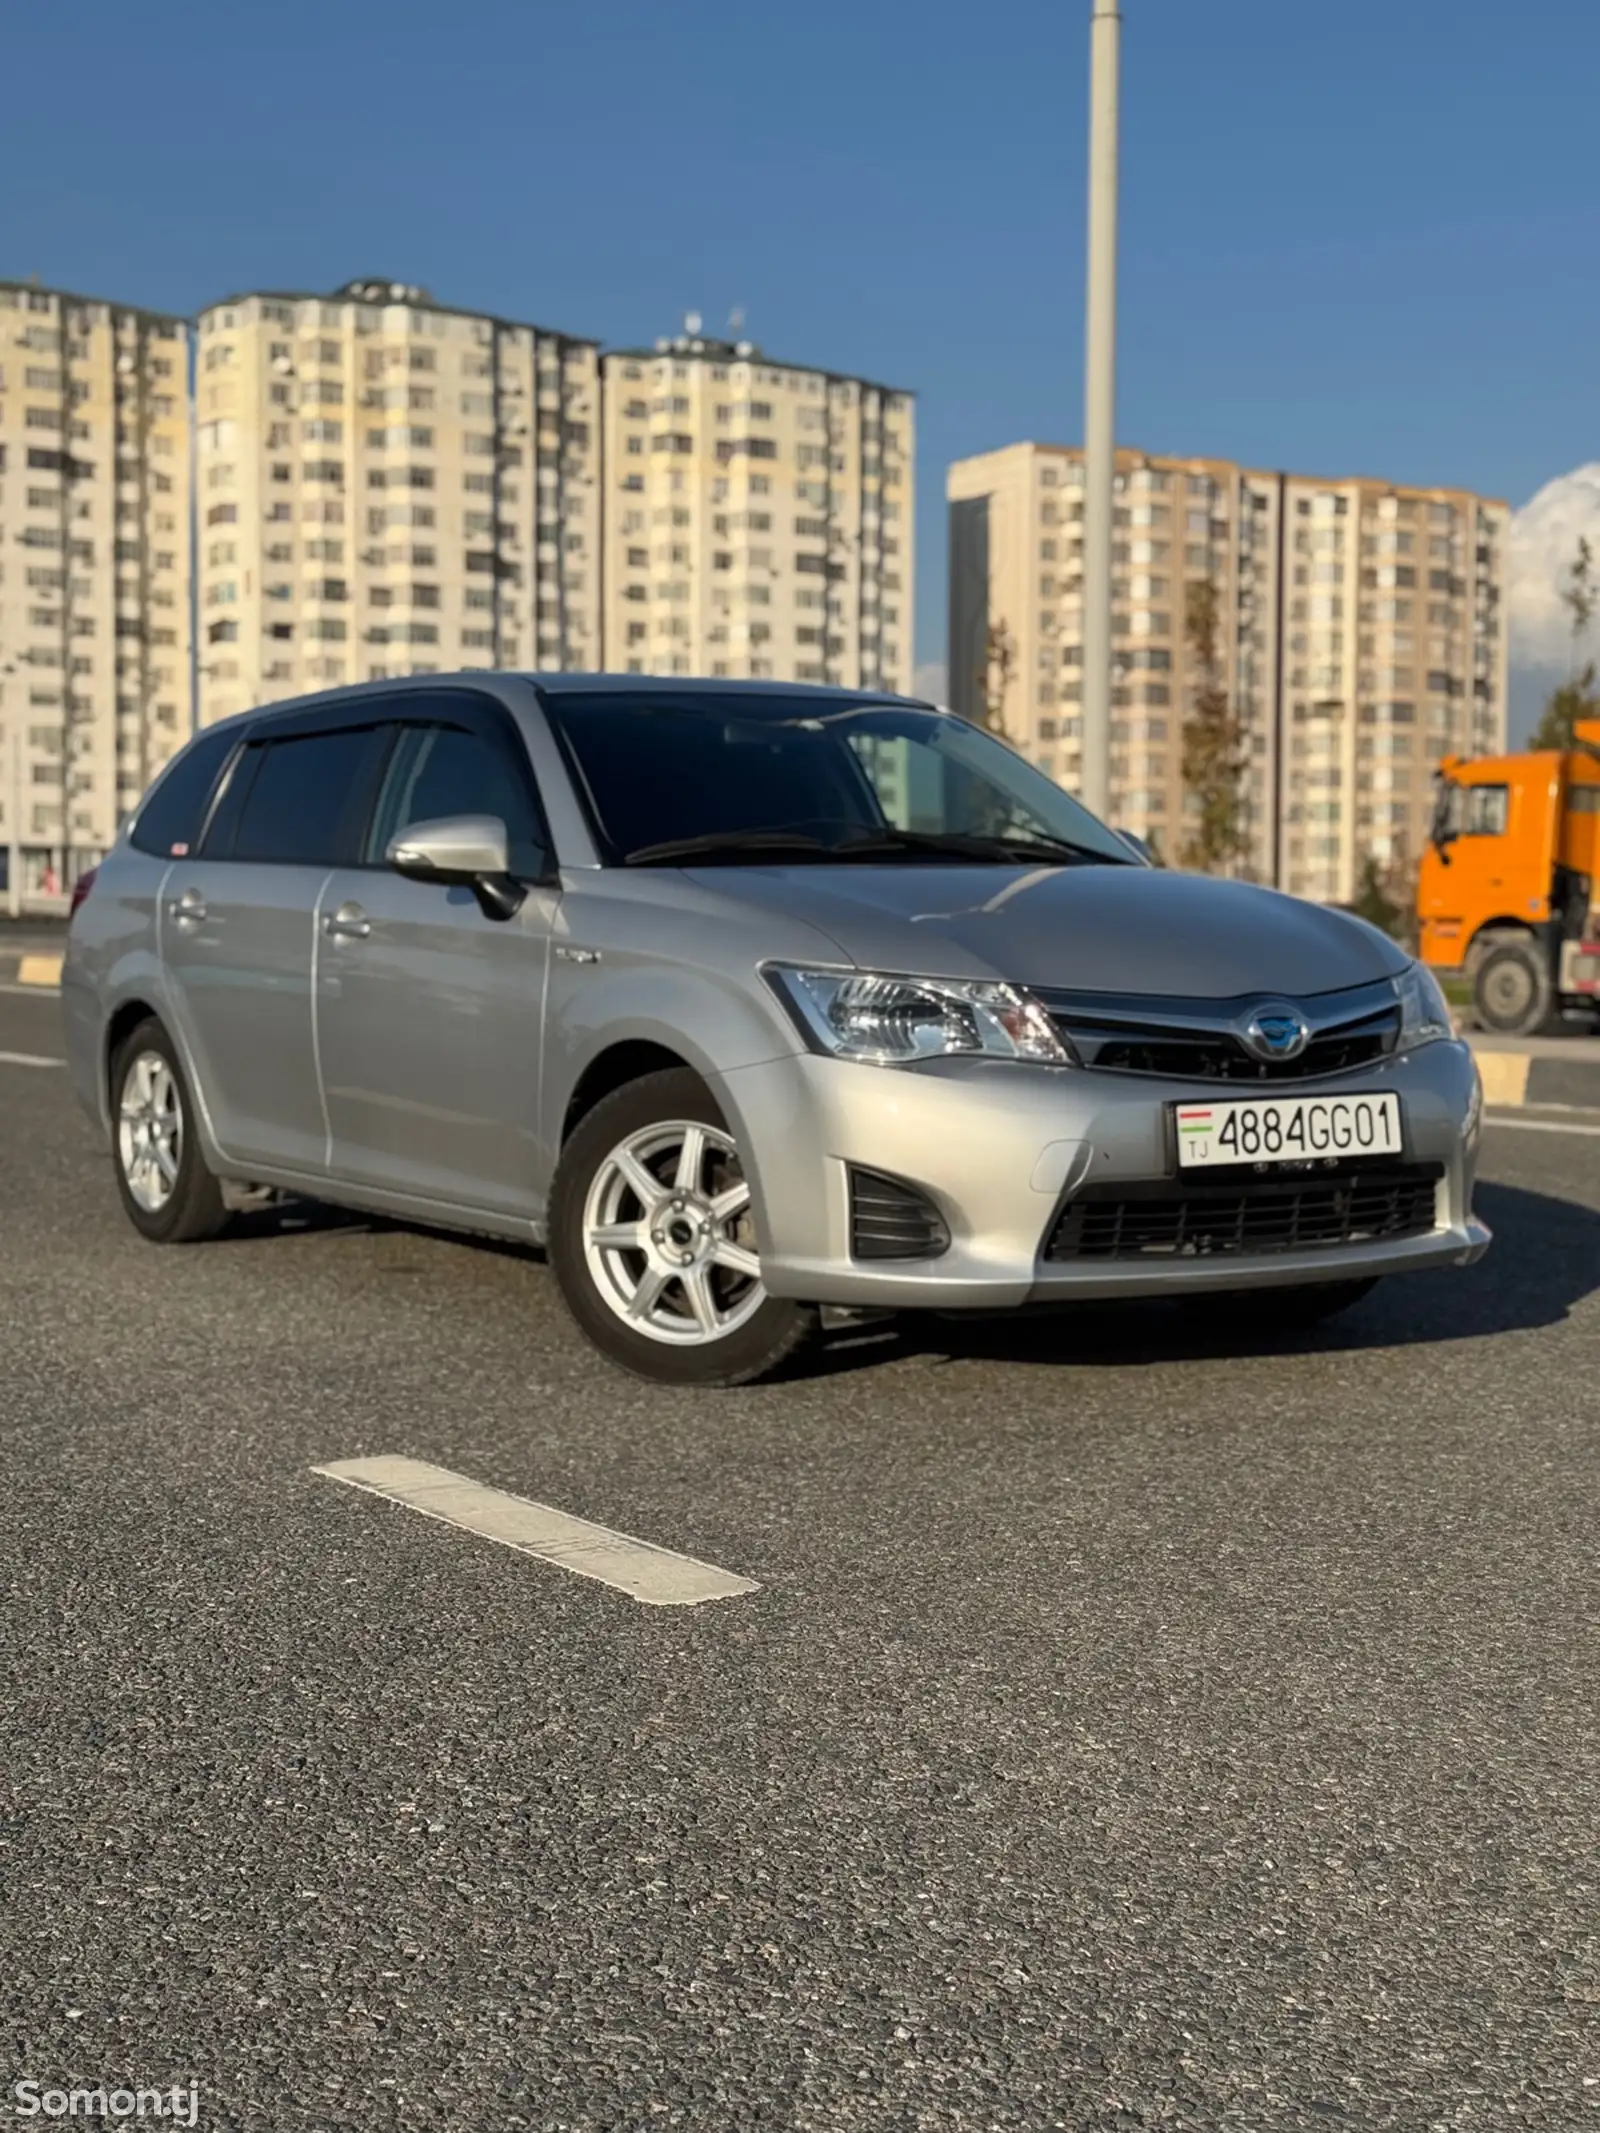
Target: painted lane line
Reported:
[(31, 992), (39, 970), (28, 1059), (1539, 1125), (654, 1575)]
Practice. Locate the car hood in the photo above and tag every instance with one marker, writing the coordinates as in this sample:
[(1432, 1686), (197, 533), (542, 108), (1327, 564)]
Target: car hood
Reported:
[(1092, 928)]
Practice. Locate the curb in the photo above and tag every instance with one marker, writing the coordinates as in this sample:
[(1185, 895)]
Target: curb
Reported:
[(1512, 1080)]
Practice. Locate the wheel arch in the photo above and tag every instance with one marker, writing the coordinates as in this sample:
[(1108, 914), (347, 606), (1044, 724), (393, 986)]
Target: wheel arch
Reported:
[(121, 1023), (628, 1053), (1497, 933), (628, 1059)]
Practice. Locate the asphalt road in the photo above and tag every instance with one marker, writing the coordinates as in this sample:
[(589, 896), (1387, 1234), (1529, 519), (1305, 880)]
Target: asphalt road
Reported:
[(1130, 1730)]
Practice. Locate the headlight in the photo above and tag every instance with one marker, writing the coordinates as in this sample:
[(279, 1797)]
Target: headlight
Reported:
[(1424, 1011), (890, 1021)]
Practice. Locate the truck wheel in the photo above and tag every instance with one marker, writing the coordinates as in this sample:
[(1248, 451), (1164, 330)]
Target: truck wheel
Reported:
[(1512, 990)]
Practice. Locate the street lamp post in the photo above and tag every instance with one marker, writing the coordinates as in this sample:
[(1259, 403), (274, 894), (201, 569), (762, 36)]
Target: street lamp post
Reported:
[(1099, 402)]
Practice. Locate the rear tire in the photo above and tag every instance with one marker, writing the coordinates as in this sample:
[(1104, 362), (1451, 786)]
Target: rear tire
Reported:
[(1512, 990), (652, 1240), (169, 1195)]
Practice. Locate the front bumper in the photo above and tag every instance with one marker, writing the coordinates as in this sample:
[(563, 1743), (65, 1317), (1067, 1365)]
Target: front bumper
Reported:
[(1001, 1149)]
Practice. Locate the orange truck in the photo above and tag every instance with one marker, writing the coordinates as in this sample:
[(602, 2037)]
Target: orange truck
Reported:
[(1507, 893)]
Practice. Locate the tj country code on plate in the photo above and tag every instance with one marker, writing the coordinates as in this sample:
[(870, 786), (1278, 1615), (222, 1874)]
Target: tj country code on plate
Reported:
[(1294, 1129)]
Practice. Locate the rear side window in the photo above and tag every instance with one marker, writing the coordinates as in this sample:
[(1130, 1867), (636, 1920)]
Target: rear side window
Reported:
[(301, 798), (169, 823)]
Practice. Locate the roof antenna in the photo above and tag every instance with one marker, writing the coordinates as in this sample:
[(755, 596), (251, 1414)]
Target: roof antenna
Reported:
[(736, 320)]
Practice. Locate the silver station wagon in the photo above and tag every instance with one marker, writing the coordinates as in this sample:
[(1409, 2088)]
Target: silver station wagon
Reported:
[(745, 1001)]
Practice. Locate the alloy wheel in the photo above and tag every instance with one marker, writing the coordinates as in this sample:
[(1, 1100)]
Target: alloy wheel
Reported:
[(150, 1131), (668, 1234)]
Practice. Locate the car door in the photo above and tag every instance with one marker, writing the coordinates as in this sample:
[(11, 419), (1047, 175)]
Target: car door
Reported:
[(429, 1010), (238, 936)]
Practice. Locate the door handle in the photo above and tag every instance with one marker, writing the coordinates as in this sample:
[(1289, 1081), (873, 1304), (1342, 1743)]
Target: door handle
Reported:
[(190, 907), (348, 923)]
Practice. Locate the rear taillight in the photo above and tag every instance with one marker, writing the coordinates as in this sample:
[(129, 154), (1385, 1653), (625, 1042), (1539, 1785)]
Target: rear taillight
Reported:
[(80, 890)]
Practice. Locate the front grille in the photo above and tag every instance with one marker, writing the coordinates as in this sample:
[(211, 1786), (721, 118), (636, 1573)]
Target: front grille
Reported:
[(1195, 1041), (1245, 1216), (890, 1219), (1197, 1057)]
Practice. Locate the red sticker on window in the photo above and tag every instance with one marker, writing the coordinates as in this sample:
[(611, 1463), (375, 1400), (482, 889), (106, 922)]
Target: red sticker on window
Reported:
[(180, 851)]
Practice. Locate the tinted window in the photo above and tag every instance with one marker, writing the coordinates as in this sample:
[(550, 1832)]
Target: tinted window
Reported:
[(300, 797), (1584, 800), (173, 814), (662, 768), (440, 770)]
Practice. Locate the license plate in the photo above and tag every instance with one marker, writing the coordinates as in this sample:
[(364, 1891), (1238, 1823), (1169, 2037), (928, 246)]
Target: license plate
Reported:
[(1287, 1129)]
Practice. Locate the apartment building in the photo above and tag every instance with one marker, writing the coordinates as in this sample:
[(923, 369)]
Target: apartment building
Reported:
[(94, 570), (758, 517), (1360, 635), (387, 485)]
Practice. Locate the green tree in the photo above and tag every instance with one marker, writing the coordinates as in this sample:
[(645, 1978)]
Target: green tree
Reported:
[(1373, 901), (1213, 745), (1575, 698), (995, 676)]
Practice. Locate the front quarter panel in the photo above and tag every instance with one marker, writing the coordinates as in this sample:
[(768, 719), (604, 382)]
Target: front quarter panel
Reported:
[(651, 957)]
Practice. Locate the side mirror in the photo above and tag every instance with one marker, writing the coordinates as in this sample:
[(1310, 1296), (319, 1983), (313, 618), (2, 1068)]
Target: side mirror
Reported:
[(1137, 846), (464, 849)]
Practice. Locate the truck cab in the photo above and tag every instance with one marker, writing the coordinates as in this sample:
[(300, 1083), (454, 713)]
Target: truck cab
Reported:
[(1506, 893)]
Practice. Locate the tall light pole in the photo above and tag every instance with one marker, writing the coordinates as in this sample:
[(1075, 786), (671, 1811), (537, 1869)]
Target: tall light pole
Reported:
[(1099, 401)]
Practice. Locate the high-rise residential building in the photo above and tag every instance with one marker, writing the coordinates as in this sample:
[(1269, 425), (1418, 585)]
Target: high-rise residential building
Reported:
[(386, 485), (758, 517), (94, 569), (1357, 626)]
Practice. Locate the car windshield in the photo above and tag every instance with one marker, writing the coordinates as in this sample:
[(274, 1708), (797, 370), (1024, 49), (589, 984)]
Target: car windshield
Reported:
[(684, 778)]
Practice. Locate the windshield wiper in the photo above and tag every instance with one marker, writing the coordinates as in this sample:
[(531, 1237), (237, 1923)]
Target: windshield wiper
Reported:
[(728, 844), (962, 844), (975, 849)]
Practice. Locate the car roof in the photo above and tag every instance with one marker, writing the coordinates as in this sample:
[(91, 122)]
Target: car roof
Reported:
[(568, 686)]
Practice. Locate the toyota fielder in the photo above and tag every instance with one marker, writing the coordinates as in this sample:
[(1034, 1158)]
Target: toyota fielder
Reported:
[(746, 1000)]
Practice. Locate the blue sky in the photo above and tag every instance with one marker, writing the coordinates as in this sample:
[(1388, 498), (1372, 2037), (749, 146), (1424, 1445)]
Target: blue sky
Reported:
[(1356, 239)]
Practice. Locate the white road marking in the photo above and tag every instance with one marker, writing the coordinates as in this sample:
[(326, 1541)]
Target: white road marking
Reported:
[(28, 1059), (654, 1575), (1538, 1125), (31, 992)]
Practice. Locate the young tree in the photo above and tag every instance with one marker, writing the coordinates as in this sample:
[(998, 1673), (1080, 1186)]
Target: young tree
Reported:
[(995, 676), (1373, 901), (1575, 699), (1213, 745)]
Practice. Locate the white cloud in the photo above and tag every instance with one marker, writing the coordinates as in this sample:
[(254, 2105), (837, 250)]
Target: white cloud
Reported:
[(1544, 540), (930, 679)]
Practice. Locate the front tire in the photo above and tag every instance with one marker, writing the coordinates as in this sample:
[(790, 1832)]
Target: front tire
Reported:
[(652, 1240), (1512, 990), (169, 1195)]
